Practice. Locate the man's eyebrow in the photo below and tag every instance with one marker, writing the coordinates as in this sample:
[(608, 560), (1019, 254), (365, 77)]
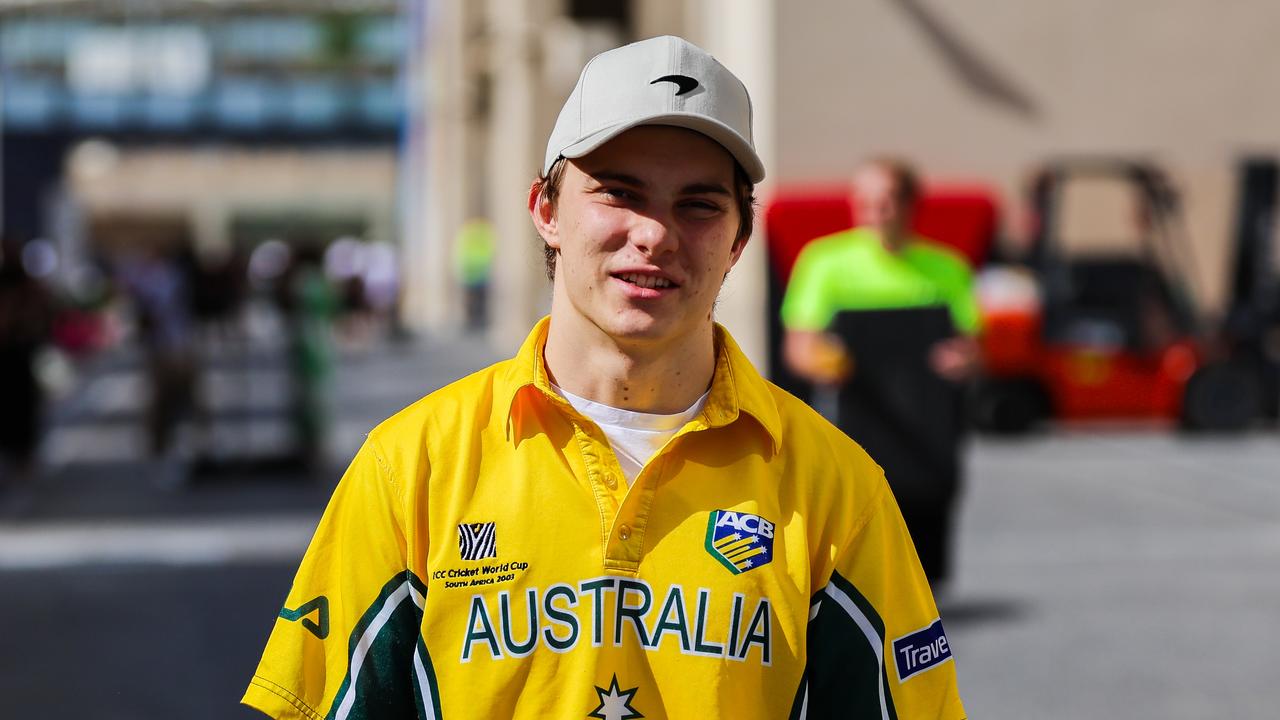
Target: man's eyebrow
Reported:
[(698, 188), (618, 177), (703, 188)]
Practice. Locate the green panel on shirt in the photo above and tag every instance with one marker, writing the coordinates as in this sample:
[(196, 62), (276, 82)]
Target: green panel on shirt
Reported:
[(852, 270)]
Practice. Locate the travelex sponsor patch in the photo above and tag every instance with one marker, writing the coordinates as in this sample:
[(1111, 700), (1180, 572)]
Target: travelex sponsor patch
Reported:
[(921, 650), (740, 541)]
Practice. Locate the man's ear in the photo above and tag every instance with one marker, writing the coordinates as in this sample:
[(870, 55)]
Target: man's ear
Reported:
[(544, 215), (735, 252)]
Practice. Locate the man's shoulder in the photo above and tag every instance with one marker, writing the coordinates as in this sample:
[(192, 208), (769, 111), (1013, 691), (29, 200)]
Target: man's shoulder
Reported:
[(832, 480), (808, 437), (940, 255), (825, 260), (839, 242), (464, 404)]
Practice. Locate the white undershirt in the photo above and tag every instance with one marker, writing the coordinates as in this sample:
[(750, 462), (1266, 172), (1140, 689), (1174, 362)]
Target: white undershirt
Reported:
[(634, 436)]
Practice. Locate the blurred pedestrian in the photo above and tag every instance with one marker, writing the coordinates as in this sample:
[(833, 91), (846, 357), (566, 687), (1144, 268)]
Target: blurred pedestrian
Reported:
[(625, 520), (26, 318), (160, 288), (313, 304), (219, 292), (474, 262), (883, 264)]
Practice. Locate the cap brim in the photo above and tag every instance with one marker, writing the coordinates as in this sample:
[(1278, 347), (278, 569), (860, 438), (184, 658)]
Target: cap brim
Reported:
[(737, 146)]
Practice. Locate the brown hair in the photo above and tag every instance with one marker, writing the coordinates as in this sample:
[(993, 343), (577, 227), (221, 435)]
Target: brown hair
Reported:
[(743, 190)]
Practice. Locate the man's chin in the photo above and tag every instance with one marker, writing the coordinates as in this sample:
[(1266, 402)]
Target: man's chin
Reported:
[(638, 331), (638, 327)]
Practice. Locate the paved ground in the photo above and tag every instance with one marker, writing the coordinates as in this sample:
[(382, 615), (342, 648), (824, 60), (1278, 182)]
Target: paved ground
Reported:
[(134, 642), (1100, 575), (1131, 575)]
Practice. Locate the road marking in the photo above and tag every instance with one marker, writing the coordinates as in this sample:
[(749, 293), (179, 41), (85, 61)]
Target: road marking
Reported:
[(169, 542)]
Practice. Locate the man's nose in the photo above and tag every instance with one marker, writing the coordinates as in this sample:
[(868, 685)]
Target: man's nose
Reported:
[(654, 234)]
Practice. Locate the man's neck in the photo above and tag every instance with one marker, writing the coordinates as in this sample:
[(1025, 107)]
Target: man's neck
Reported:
[(651, 377), (892, 237)]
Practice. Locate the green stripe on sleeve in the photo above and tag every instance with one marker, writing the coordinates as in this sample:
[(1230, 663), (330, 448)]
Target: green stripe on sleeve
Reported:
[(385, 651), (845, 673)]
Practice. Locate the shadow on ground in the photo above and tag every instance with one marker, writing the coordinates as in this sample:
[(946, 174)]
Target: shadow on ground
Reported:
[(971, 612)]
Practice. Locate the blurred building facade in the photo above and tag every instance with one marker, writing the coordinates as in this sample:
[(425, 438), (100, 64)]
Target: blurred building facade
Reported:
[(401, 120), (989, 90), (216, 123), (982, 91)]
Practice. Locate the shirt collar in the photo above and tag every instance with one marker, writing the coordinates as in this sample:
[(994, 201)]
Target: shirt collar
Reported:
[(736, 386)]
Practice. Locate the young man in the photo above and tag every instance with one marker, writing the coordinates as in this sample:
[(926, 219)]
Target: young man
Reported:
[(625, 520)]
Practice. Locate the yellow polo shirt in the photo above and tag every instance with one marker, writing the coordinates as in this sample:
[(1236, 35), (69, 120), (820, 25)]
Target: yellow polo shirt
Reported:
[(484, 558)]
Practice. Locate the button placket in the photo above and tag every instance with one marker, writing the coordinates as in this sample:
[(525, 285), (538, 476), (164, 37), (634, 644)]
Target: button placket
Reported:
[(626, 544), (605, 465), (606, 502)]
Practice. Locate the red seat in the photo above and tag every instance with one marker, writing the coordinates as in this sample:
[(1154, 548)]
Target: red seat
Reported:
[(793, 217), (963, 217)]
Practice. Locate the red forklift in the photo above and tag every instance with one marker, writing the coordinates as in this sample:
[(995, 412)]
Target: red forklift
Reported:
[(1116, 334)]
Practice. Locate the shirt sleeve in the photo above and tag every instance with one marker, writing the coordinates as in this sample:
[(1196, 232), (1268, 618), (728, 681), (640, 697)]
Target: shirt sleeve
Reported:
[(346, 641), (962, 300), (806, 304), (876, 647)]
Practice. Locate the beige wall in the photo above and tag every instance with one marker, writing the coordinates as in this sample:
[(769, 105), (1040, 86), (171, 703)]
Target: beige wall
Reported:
[(972, 90), (985, 89), (208, 186)]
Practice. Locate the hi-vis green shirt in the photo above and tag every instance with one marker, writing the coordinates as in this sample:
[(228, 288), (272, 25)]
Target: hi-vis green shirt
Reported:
[(484, 558), (852, 270)]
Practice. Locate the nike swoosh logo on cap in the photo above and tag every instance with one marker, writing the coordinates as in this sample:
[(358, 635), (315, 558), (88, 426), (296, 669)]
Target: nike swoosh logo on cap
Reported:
[(684, 83)]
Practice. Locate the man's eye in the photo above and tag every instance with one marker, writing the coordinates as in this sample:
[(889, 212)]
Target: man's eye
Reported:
[(703, 207), (617, 193)]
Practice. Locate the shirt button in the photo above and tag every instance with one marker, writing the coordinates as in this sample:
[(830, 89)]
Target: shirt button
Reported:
[(624, 532), (610, 481)]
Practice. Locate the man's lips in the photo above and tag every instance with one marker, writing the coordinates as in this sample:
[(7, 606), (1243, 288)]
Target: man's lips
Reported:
[(649, 283)]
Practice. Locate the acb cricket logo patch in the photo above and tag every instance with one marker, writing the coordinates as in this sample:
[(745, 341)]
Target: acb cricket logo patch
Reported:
[(740, 541)]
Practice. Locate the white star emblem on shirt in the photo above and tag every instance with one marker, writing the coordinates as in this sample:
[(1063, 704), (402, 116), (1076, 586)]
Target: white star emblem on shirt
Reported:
[(615, 704)]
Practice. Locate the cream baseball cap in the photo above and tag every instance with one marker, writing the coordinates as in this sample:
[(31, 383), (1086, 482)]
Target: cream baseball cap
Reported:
[(660, 81)]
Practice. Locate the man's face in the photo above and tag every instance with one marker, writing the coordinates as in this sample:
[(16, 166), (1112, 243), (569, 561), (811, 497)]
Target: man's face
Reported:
[(877, 195), (645, 227)]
